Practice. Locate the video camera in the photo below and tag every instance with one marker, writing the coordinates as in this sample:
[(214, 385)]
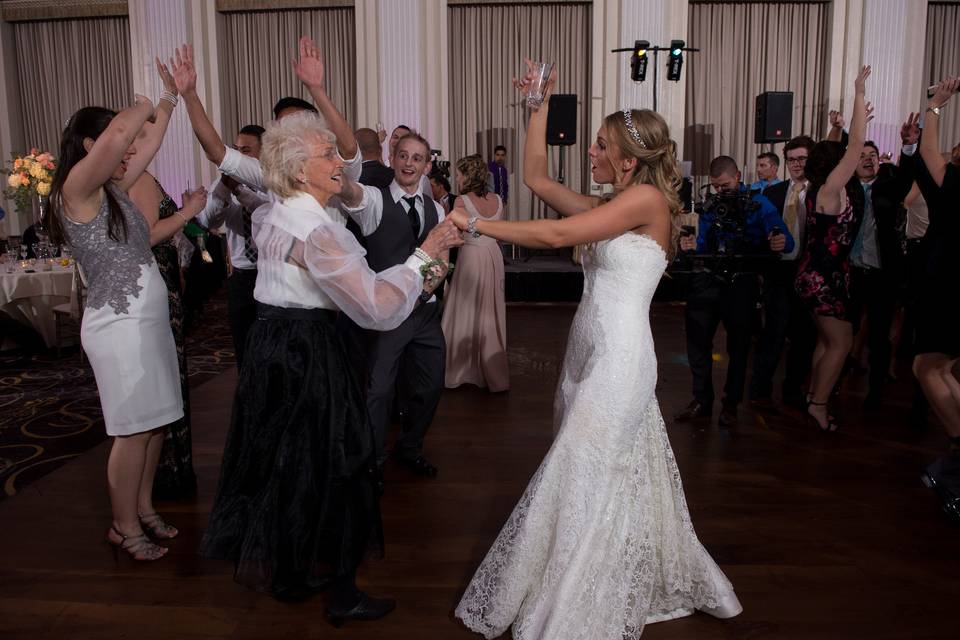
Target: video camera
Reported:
[(730, 210), (440, 166)]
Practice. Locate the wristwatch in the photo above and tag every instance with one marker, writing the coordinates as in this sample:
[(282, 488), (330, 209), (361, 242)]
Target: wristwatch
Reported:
[(935, 110), (472, 227)]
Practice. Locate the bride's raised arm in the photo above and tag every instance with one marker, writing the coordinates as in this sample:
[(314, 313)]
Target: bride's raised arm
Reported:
[(560, 198)]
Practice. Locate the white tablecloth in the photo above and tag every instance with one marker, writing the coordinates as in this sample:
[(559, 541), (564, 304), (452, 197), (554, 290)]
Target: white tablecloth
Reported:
[(29, 298)]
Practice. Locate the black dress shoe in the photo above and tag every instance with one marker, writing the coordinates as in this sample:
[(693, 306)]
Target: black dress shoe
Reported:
[(419, 466), (694, 411), (728, 418), (367, 609)]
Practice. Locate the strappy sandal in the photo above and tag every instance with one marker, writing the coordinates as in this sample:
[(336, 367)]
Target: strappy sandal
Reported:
[(139, 547), (831, 426), (157, 526)]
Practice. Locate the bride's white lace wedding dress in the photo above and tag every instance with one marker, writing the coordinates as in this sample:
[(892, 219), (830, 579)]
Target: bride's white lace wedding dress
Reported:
[(601, 542)]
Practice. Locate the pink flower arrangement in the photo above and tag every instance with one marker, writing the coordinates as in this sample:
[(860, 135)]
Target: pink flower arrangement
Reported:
[(29, 175)]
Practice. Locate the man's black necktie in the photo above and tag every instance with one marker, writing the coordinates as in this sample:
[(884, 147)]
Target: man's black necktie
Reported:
[(413, 216)]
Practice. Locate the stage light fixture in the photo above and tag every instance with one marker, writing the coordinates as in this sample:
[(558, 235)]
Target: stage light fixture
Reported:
[(675, 60), (638, 63)]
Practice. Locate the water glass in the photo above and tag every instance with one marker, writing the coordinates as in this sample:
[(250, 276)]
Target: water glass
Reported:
[(538, 86), (11, 259)]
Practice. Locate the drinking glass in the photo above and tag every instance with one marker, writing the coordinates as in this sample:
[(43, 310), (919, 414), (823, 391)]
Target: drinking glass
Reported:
[(538, 85), (23, 252)]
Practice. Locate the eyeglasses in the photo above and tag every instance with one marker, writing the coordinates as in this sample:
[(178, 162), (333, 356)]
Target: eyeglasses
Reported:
[(797, 160)]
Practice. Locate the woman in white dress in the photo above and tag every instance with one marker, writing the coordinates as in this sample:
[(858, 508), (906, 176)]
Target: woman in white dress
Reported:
[(126, 328), (601, 541)]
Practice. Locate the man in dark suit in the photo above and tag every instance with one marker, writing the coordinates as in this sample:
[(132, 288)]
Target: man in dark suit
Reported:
[(785, 316), (390, 223), (374, 173), (876, 258)]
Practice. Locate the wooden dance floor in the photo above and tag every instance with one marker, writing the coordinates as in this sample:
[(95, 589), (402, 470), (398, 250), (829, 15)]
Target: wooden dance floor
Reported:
[(822, 536)]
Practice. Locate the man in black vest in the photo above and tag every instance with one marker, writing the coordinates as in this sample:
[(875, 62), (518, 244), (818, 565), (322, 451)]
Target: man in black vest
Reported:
[(392, 222)]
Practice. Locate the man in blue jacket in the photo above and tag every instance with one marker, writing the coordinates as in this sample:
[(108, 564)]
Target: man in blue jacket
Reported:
[(745, 226)]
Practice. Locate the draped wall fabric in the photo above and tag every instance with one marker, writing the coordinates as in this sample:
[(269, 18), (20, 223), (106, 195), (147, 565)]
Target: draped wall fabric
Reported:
[(63, 65), (256, 49), (746, 49), (942, 59), (487, 48)]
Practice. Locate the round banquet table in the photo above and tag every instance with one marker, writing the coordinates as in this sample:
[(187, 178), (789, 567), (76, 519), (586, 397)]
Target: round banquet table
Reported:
[(29, 294)]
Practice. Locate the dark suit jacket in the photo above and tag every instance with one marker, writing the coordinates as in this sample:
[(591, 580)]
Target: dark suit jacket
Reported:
[(376, 174), (890, 187), (777, 194)]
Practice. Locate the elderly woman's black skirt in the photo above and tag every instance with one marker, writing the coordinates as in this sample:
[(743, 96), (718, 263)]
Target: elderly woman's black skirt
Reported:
[(297, 503)]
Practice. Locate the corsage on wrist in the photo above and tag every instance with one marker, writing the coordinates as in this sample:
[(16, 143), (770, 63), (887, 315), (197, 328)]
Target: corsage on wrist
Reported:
[(472, 227)]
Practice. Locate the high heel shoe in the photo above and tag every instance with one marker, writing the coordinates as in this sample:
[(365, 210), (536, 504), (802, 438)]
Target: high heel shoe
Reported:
[(831, 425), (157, 526), (139, 547)]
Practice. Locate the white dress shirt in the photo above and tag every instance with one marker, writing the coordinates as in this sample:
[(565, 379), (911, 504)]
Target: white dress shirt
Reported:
[(225, 208)]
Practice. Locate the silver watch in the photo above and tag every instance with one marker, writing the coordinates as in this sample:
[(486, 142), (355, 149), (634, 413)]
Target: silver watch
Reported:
[(472, 227)]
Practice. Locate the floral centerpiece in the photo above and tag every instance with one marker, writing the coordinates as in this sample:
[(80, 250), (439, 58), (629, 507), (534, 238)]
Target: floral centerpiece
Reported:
[(30, 178)]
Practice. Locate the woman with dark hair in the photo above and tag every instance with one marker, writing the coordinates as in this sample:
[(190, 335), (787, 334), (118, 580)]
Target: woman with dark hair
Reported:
[(601, 542), (126, 324), (835, 202), (475, 312), (175, 476)]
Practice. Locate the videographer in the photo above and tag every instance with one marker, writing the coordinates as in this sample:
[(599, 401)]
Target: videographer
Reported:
[(739, 230)]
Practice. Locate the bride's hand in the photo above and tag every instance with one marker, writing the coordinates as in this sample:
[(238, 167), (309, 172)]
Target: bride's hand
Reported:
[(524, 83), (459, 218)]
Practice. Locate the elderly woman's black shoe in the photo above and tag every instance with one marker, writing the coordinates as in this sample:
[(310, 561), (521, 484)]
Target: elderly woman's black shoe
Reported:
[(366, 609)]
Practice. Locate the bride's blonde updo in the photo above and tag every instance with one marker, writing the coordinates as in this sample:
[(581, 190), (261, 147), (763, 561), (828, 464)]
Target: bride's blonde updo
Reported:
[(643, 134)]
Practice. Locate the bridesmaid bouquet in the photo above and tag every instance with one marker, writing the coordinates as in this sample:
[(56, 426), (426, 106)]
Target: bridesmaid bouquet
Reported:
[(29, 176)]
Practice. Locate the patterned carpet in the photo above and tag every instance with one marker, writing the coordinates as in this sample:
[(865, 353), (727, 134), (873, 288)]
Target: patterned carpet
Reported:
[(50, 410)]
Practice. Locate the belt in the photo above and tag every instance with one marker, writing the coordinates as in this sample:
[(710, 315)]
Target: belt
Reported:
[(270, 312)]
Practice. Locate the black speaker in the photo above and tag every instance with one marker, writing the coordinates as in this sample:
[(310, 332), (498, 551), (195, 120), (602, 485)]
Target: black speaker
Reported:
[(774, 117), (562, 119)]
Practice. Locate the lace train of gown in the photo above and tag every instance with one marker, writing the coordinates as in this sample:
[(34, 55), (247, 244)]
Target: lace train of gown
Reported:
[(601, 542)]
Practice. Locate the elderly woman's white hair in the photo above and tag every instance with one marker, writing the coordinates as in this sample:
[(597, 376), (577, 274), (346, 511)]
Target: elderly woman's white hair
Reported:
[(286, 145)]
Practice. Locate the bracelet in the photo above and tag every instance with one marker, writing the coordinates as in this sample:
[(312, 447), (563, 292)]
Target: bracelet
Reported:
[(423, 255), (472, 227), (169, 96), (182, 217), (934, 110)]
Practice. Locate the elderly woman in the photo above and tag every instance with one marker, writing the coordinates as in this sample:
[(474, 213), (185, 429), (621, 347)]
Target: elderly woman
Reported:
[(475, 314), (296, 507)]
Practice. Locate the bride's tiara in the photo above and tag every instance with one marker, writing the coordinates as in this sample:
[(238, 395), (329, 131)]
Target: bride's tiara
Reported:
[(628, 121)]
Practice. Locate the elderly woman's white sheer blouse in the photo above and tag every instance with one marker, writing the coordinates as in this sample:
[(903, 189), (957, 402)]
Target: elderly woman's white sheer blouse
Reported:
[(308, 260)]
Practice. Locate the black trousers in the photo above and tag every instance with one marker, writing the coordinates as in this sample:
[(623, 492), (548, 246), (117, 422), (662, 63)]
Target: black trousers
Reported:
[(415, 355), (709, 303), (875, 291), (785, 318), (241, 308)]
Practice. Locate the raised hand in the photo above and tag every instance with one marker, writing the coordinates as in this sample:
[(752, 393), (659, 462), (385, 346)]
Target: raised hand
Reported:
[(525, 82), (168, 82), (910, 130), (184, 72), (836, 120), (192, 202), (868, 112), (944, 92), (860, 84), (309, 68)]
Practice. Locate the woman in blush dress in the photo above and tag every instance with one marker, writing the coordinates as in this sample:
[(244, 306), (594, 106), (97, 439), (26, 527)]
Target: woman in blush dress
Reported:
[(475, 312), (601, 541)]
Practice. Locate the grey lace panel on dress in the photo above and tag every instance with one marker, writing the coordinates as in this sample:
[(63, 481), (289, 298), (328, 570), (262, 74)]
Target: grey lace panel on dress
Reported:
[(112, 268)]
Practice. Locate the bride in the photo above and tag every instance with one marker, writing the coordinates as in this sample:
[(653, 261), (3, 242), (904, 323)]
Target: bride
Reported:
[(601, 541)]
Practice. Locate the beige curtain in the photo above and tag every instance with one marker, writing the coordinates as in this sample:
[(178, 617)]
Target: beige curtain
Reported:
[(487, 48), (942, 59), (746, 49), (63, 65), (256, 49)]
